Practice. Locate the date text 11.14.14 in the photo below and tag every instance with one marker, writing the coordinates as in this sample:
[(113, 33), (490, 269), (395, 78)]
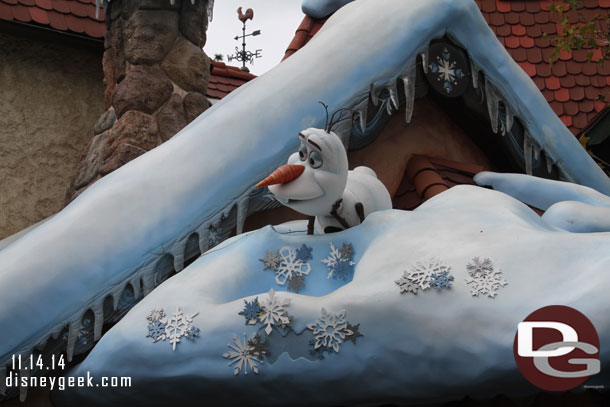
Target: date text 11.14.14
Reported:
[(32, 363)]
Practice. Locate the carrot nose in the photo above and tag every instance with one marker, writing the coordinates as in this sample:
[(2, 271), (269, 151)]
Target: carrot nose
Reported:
[(282, 175)]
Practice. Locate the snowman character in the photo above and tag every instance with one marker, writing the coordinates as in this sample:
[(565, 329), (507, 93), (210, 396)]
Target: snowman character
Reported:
[(316, 182)]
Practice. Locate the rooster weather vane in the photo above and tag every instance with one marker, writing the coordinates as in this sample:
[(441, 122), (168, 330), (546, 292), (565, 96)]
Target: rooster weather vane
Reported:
[(245, 56)]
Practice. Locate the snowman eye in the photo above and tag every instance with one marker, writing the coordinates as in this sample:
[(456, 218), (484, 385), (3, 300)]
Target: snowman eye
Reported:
[(315, 159), (303, 152)]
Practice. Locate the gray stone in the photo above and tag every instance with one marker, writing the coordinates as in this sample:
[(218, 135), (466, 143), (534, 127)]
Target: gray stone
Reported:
[(188, 66), (90, 164), (145, 88), (123, 154), (135, 128), (170, 117), (149, 35), (105, 121), (194, 22), (194, 104)]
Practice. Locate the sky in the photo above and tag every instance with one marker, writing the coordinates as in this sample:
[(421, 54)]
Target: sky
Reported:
[(277, 20)]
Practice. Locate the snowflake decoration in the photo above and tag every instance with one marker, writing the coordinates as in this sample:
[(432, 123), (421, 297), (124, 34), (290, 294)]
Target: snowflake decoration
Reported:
[(296, 283), (271, 260), (347, 251), (330, 330), (318, 352), (304, 253), (442, 279), (290, 266), (406, 285), (486, 284), (156, 331), (257, 346), (251, 311), (355, 333), (339, 263), (179, 326), (242, 355), (479, 268), (421, 273), (155, 315), (214, 236), (274, 312), (446, 70)]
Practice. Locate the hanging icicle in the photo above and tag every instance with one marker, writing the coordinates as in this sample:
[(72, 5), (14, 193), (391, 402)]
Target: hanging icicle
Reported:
[(408, 78), (491, 95), (373, 95), (393, 89), (549, 162), (424, 60), (527, 153), (474, 72), (510, 116), (242, 213), (362, 116)]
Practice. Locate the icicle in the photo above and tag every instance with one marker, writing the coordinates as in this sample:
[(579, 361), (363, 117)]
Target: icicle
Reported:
[(408, 79), (393, 89), (549, 162), (362, 113), (474, 72), (536, 151), (98, 321), (148, 282), (172, 2), (492, 105), (242, 213), (527, 152), (116, 296), (204, 236), (178, 253), (424, 60), (3, 381), (509, 117), (73, 332), (374, 97), (210, 10), (24, 372), (97, 9), (193, 2), (135, 284)]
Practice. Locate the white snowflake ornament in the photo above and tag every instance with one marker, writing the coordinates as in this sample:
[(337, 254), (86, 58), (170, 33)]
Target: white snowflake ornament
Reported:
[(290, 266), (483, 278), (422, 273), (274, 312), (178, 326), (330, 330), (243, 355)]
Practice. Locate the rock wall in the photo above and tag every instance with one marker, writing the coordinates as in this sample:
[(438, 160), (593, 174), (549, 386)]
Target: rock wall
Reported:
[(155, 76), (50, 96)]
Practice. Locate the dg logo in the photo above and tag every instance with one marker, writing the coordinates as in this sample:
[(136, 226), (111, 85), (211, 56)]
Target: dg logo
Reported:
[(557, 348)]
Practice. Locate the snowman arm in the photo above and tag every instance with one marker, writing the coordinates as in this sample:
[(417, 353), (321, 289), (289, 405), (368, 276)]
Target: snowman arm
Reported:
[(336, 215), (360, 211), (310, 225)]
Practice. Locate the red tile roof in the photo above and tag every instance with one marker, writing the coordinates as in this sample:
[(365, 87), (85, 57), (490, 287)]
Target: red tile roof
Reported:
[(570, 86), (76, 16), (224, 79)]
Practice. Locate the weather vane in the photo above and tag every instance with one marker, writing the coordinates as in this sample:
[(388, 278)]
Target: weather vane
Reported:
[(245, 56)]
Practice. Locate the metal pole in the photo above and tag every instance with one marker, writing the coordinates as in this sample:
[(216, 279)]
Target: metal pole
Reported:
[(244, 45)]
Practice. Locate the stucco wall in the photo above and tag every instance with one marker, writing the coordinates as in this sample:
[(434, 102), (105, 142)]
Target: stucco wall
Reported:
[(51, 94)]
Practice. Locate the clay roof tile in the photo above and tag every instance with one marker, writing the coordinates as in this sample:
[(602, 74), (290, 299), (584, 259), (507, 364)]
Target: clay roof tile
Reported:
[(567, 81), (517, 5), (21, 13), (38, 15), (562, 95), (5, 11), (503, 6), (552, 83)]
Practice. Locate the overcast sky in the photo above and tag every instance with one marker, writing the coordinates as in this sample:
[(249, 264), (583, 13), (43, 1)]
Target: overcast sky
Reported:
[(277, 20)]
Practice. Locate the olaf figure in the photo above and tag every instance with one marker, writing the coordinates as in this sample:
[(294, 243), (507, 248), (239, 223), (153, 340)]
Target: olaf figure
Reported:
[(317, 183)]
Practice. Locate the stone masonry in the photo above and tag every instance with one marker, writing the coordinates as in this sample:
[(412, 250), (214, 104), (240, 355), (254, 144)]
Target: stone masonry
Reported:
[(155, 78)]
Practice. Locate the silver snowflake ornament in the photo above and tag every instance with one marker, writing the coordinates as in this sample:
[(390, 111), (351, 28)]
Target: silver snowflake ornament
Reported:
[(179, 326), (274, 312), (156, 315), (242, 355), (330, 330), (296, 283), (271, 260), (479, 267), (406, 285)]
